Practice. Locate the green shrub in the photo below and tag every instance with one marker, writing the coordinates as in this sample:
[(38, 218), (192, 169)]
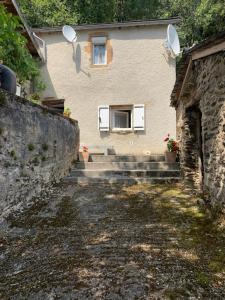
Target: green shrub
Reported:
[(45, 147), (30, 147), (2, 98), (43, 158), (12, 153)]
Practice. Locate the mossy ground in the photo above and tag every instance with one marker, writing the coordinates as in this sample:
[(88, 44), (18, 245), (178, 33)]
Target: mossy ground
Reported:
[(113, 242)]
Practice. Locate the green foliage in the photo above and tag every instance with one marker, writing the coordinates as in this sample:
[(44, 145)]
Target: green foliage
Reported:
[(12, 153), (2, 98), (200, 18), (45, 147), (30, 147), (35, 98), (13, 50), (136, 9), (35, 161), (98, 11), (210, 17), (67, 110), (48, 12)]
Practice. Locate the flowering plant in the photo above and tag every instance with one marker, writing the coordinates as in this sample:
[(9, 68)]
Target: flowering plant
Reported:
[(85, 149), (172, 145), (67, 112)]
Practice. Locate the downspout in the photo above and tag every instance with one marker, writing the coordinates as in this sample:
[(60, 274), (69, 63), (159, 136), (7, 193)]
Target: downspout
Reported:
[(43, 46)]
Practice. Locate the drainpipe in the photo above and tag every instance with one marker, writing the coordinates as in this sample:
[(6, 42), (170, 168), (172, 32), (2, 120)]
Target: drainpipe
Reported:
[(43, 46)]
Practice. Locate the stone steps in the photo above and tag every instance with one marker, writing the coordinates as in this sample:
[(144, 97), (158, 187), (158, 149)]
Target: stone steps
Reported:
[(126, 166), (125, 169), (125, 173), (120, 180), (127, 158)]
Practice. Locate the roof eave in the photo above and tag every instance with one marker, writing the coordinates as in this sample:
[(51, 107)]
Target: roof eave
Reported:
[(199, 51), (153, 22)]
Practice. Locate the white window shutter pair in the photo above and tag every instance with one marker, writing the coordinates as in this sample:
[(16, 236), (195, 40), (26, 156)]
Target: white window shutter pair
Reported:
[(138, 117)]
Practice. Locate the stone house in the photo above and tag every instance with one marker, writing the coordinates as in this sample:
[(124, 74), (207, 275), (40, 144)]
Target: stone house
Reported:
[(116, 80), (199, 99)]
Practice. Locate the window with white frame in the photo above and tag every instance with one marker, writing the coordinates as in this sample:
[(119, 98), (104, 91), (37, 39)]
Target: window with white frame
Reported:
[(99, 51), (121, 118)]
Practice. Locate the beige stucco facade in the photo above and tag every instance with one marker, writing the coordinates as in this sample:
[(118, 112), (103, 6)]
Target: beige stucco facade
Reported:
[(139, 71)]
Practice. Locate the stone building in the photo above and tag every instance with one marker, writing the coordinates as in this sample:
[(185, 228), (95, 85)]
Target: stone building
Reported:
[(199, 99), (116, 80)]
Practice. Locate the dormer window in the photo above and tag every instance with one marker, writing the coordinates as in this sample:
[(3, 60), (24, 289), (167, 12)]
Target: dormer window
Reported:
[(99, 51)]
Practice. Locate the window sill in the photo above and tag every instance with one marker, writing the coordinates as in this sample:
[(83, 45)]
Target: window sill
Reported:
[(98, 66), (121, 130)]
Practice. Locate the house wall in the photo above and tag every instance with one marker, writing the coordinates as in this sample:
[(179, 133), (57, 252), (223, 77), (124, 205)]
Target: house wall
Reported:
[(207, 93), (139, 72), (37, 148)]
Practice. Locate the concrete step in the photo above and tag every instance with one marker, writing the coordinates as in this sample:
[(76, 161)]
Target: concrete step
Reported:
[(127, 158), (127, 165), (127, 173), (121, 180)]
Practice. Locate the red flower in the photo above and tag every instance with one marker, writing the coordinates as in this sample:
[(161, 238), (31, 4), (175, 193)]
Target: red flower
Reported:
[(85, 148)]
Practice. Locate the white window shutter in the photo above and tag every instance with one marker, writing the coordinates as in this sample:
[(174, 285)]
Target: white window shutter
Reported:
[(139, 117), (103, 117)]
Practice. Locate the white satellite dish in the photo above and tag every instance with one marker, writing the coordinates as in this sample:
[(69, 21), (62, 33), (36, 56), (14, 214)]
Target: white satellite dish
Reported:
[(69, 33), (172, 42)]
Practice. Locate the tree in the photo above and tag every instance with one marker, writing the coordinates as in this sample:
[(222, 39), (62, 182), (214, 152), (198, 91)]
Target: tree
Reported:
[(210, 17), (13, 50), (41, 13), (136, 10), (200, 18), (98, 11)]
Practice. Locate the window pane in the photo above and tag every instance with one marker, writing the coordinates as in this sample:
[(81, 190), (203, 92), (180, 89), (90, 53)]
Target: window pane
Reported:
[(121, 119), (99, 54)]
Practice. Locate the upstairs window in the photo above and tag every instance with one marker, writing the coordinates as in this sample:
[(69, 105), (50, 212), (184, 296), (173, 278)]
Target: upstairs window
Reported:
[(99, 50)]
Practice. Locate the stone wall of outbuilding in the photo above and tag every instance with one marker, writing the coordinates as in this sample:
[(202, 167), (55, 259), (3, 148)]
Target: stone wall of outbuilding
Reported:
[(37, 147), (201, 110)]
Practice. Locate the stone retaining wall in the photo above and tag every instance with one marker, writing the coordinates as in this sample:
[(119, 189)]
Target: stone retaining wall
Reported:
[(37, 147), (204, 93)]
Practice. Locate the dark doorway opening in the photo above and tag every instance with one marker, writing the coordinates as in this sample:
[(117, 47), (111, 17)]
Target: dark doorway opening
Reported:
[(194, 142)]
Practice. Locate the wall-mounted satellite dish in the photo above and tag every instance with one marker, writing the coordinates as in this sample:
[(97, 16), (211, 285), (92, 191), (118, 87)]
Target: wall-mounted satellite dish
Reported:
[(172, 42), (69, 34)]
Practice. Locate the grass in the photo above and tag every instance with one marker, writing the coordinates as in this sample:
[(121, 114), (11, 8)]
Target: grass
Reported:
[(201, 237)]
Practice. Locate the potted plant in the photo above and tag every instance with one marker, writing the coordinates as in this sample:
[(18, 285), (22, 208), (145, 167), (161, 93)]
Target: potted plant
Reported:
[(67, 112), (172, 149), (84, 154)]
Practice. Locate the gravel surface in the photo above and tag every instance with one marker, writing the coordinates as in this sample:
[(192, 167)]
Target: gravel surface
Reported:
[(112, 242)]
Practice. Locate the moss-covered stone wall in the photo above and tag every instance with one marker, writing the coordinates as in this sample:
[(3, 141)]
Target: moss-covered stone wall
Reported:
[(37, 147), (204, 94)]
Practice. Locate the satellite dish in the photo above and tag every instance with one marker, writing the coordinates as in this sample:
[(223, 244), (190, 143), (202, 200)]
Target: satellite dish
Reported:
[(69, 34), (172, 43)]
